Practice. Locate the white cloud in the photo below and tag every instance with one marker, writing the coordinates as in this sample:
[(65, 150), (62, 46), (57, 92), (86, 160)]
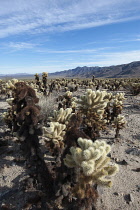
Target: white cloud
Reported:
[(38, 16)]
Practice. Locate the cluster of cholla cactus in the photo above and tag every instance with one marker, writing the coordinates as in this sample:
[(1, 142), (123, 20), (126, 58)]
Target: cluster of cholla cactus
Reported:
[(70, 133), (41, 86), (8, 117), (92, 107), (67, 101), (98, 110), (62, 116), (57, 127), (7, 87), (92, 162), (113, 110), (118, 104), (55, 132), (11, 84), (114, 105)]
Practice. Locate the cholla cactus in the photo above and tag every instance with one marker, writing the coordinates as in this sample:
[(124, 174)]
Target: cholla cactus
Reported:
[(92, 107), (93, 78), (119, 123), (68, 94), (11, 84), (108, 96), (120, 96), (36, 77), (134, 88), (44, 80), (8, 117), (66, 101), (91, 158), (45, 74), (117, 104), (93, 100), (14, 81), (55, 132), (114, 105), (62, 116), (73, 103)]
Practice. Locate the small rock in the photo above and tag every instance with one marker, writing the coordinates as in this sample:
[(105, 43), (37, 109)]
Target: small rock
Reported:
[(123, 162), (136, 170), (116, 193), (138, 188), (109, 155), (116, 159), (133, 151), (129, 198), (99, 189)]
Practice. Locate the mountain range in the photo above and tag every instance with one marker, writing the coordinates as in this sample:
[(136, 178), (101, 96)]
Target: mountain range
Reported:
[(119, 71)]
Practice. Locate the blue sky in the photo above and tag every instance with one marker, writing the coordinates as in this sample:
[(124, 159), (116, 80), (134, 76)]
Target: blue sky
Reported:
[(55, 35)]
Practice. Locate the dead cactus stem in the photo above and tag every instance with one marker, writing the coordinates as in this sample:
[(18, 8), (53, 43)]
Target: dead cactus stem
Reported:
[(27, 125)]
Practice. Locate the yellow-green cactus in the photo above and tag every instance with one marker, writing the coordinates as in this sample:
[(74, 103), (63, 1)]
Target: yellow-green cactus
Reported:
[(55, 132), (11, 84), (108, 96), (8, 117), (93, 100), (119, 121), (62, 116), (68, 94), (120, 96), (14, 81), (92, 160), (45, 74)]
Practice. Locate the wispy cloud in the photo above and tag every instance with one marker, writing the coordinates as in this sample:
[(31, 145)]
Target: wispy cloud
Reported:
[(128, 40), (102, 59), (80, 51), (21, 45), (38, 16), (111, 58)]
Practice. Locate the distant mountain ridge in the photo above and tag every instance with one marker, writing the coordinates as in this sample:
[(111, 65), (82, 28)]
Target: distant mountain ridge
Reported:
[(17, 75), (119, 71)]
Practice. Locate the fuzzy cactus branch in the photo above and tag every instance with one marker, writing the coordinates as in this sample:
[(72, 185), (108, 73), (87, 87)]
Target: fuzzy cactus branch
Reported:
[(92, 160)]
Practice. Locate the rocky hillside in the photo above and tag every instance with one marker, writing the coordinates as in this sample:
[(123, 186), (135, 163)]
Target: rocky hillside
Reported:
[(119, 71)]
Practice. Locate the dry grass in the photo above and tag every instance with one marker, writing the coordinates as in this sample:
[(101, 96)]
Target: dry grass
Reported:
[(47, 105)]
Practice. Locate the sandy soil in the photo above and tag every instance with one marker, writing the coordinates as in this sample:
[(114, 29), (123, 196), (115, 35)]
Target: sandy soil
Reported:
[(125, 193)]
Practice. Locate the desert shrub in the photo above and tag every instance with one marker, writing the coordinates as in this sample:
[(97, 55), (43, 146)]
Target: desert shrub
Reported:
[(47, 105)]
